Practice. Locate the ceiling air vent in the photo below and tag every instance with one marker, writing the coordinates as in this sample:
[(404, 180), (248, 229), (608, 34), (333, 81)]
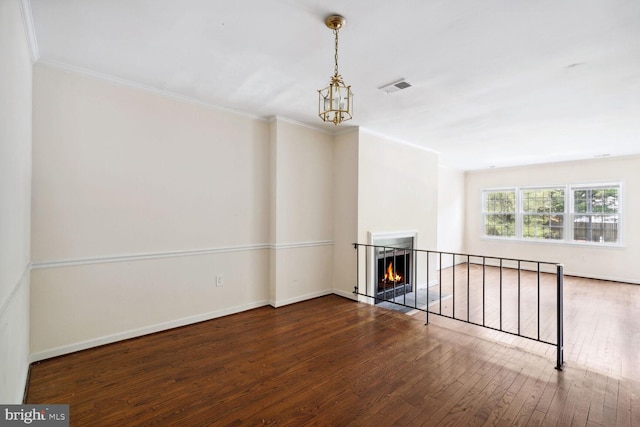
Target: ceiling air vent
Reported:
[(395, 86)]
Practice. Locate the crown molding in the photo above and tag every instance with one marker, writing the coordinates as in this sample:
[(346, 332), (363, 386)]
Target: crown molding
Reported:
[(397, 140), (139, 86), (319, 128), (29, 29), (559, 163)]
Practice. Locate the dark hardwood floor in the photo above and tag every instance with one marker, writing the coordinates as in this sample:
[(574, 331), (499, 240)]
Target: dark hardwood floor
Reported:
[(601, 318), (332, 361)]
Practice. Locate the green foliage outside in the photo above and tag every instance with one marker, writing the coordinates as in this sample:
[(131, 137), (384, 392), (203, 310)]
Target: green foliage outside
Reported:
[(595, 213), (596, 218), (543, 214), (596, 200), (500, 213)]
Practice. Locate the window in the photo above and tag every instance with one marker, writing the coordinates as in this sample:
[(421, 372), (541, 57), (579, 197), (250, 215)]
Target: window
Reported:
[(587, 214), (543, 213), (500, 213), (596, 214)]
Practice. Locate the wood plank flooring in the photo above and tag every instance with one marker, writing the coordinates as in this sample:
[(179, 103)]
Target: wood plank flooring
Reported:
[(601, 318), (327, 361)]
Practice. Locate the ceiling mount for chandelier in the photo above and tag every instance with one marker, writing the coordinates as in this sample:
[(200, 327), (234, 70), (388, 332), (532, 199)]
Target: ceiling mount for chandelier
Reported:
[(335, 102)]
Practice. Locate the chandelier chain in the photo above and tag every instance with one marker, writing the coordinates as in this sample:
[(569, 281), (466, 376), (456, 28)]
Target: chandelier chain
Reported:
[(335, 31)]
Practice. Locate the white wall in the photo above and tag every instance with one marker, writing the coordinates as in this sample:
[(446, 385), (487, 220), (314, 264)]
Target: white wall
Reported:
[(124, 171), (139, 201), (397, 191), (451, 213), (612, 263), (345, 212), (15, 200), (301, 212)]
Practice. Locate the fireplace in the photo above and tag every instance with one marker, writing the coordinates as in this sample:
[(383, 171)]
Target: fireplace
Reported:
[(393, 267)]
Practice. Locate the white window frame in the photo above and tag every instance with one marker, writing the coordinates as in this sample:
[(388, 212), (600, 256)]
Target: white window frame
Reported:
[(568, 214), (485, 213), (522, 213), (573, 214)]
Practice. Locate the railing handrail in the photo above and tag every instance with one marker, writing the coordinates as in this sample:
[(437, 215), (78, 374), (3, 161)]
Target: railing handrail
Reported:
[(459, 254), (559, 271)]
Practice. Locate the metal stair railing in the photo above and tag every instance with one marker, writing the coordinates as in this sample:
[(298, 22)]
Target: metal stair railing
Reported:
[(433, 260)]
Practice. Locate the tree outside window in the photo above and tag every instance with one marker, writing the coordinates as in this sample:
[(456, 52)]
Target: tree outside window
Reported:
[(500, 213), (596, 214), (581, 213), (543, 213)]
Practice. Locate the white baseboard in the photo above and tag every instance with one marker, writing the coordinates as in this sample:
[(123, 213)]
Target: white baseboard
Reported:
[(345, 294), (281, 303), (605, 278), (134, 333)]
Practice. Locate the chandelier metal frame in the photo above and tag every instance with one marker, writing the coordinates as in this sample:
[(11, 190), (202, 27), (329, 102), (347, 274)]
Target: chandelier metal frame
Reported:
[(335, 102)]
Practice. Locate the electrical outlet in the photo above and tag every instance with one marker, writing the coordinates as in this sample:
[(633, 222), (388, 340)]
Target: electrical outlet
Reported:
[(219, 280)]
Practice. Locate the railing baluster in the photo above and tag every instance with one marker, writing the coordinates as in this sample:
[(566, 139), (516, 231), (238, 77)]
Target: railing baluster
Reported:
[(357, 287), (440, 282), (394, 285), (367, 260), (454, 290), (559, 315), (416, 267), (384, 268), (468, 286), (406, 279), (484, 265), (538, 301), (500, 293), (519, 297), (414, 262)]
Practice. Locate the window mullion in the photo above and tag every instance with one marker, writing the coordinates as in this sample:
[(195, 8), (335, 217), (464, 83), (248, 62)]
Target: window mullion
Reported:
[(519, 215), (567, 227)]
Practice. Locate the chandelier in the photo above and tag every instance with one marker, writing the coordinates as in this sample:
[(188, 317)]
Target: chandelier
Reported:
[(335, 102)]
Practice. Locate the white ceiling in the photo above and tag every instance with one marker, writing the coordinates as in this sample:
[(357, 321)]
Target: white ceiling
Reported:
[(495, 82)]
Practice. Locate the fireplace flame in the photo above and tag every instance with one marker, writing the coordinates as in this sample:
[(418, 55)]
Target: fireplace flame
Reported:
[(390, 275)]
